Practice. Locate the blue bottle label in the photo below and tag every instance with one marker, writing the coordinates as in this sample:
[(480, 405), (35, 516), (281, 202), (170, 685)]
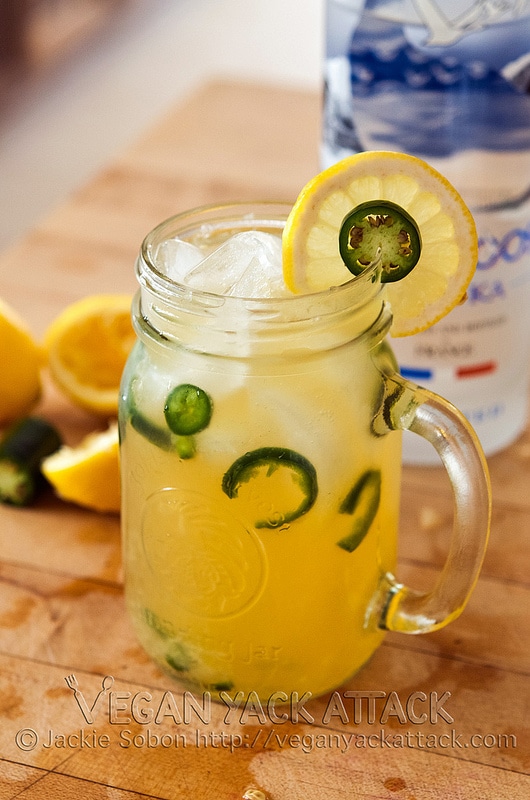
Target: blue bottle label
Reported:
[(430, 77)]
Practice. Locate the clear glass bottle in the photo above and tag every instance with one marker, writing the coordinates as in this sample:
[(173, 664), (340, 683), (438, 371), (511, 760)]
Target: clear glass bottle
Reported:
[(449, 81)]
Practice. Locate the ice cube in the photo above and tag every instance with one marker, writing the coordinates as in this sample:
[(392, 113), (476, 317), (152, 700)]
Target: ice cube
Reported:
[(176, 257), (248, 264)]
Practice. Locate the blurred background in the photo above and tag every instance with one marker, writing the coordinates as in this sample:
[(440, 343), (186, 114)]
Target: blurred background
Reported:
[(80, 79)]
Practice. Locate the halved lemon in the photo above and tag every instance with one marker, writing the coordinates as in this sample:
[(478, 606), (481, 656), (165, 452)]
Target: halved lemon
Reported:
[(87, 346), (438, 282), (21, 360), (89, 474)]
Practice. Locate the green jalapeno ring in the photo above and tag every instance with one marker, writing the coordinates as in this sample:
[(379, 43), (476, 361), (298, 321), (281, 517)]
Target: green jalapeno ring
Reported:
[(384, 226), (361, 502), (188, 409), (268, 460)]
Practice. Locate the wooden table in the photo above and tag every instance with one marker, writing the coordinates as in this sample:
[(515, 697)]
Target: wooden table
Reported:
[(61, 602)]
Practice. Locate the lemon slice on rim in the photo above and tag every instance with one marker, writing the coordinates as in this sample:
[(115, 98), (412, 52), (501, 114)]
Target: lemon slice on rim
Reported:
[(87, 346), (89, 474), (312, 260)]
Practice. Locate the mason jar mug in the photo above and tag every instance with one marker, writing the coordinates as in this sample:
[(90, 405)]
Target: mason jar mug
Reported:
[(260, 459)]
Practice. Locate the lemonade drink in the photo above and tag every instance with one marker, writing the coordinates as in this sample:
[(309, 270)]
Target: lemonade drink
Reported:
[(260, 420), (252, 546)]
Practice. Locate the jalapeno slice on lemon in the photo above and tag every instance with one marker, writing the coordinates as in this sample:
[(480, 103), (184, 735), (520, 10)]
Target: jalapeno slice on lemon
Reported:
[(361, 502), (188, 409), (284, 485), (380, 229)]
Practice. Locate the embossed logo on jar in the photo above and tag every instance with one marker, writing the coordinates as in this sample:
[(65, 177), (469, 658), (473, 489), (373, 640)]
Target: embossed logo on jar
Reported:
[(206, 560)]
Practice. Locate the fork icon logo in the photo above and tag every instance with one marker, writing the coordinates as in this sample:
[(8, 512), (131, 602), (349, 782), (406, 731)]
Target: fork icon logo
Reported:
[(86, 710)]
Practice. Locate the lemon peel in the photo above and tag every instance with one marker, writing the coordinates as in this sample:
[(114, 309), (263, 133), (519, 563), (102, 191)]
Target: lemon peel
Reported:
[(89, 474), (21, 360), (87, 346)]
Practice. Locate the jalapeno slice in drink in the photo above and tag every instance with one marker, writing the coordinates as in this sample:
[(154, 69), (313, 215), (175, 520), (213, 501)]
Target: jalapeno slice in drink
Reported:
[(279, 476), (161, 437), (188, 409), (380, 227), (178, 658), (361, 502), (184, 446)]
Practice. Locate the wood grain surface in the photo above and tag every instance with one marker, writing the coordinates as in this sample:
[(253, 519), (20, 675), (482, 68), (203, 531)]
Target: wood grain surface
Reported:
[(61, 603)]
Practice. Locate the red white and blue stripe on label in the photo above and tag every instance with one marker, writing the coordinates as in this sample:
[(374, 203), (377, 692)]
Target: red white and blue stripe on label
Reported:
[(460, 373)]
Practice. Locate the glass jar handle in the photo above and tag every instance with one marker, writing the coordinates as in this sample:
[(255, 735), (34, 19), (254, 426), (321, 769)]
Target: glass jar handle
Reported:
[(406, 406)]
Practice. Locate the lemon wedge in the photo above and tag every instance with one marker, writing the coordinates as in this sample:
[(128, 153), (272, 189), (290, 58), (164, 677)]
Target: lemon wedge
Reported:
[(312, 260), (87, 346), (89, 474), (20, 366)]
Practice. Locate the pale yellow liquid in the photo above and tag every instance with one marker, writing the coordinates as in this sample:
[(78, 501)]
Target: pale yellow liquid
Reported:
[(217, 601)]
